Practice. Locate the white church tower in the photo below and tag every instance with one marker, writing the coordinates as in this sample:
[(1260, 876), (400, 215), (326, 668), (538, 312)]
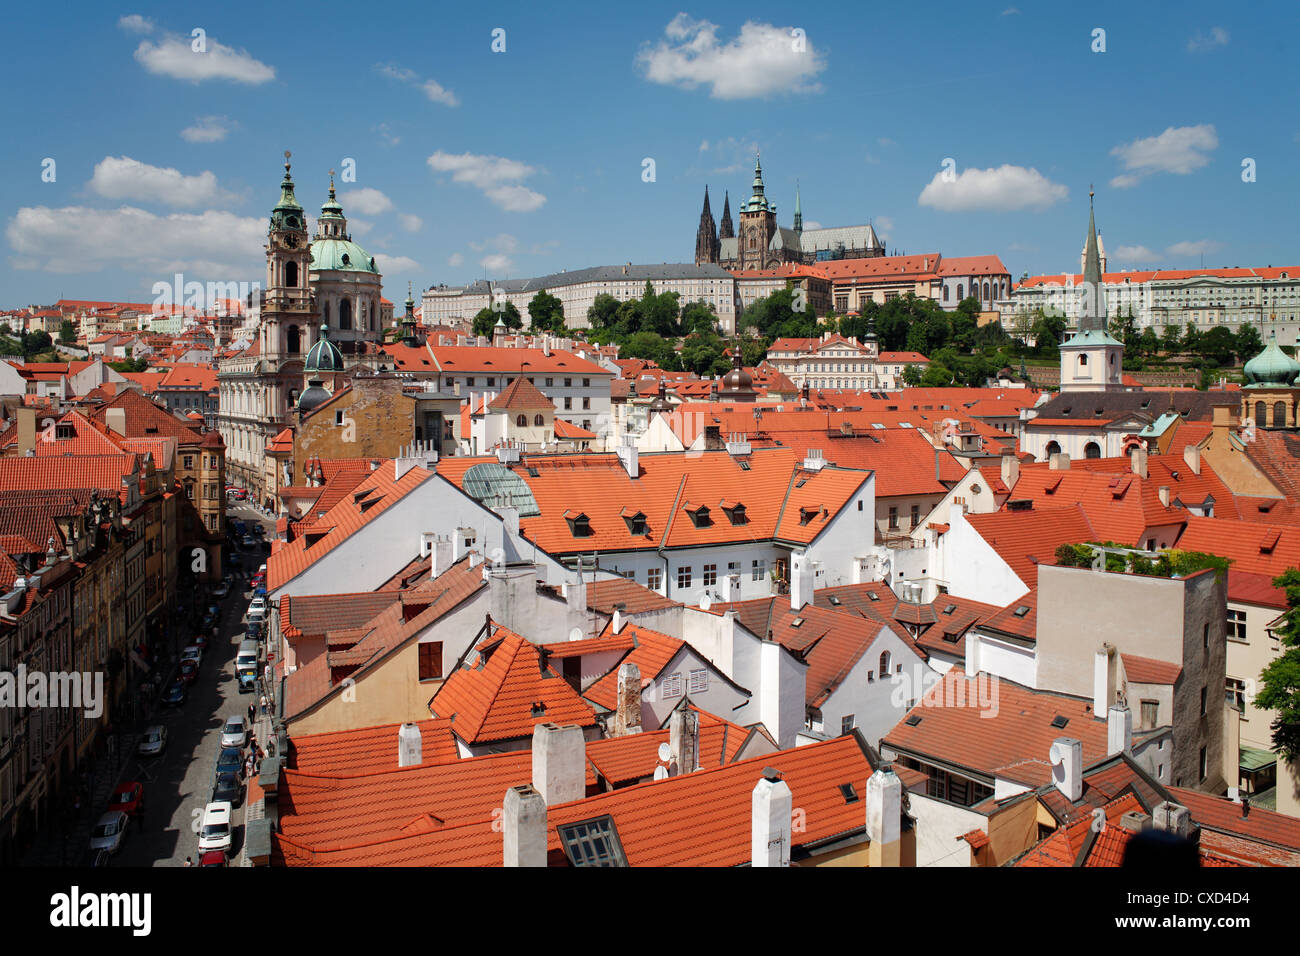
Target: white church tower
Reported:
[(1092, 361)]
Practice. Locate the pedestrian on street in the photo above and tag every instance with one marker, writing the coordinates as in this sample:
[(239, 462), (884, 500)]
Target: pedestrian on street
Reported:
[(189, 861), (252, 712), (263, 705)]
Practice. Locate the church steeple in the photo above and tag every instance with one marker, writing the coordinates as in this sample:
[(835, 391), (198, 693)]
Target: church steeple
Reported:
[(798, 210), (706, 236), (1093, 317), (725, 228)]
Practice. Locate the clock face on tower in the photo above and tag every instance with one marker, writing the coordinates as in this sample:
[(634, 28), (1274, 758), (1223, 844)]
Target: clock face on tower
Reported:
[(291, 242)]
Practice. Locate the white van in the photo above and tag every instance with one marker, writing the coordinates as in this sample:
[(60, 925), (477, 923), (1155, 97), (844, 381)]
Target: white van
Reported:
[(215, 831), (246, 658)]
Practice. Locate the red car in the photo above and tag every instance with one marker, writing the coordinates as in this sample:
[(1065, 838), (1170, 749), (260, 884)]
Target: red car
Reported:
[(201, 642), (189, 671), (128, 798), (259, 579), (213, 858)]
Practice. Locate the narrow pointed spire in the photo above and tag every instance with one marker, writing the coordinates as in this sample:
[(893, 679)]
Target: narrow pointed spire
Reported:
[(725, 228), (1092, 273), (798, 209)]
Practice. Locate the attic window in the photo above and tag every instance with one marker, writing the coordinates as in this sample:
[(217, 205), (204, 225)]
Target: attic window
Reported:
[(592, 843), (636, 523), (873, 595), (834, 599), (579, 524), (913, 720), (532, 471), (743, 463), (699, 515), (806, 514), (797, 622), (849, 794), (801, 482), (1021, 611), (735, 512), (949, 609), (1059, 722), (65, 430)]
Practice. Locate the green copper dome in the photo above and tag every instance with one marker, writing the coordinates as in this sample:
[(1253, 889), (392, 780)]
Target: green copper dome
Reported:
[(324, 356), (340, 255), (1271, 366), (287, 214)]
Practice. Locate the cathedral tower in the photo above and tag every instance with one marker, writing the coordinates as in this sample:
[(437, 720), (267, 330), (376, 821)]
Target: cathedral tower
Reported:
[(757, 225), (287, 309), (1091, 360), (706, 236), (726, 230)]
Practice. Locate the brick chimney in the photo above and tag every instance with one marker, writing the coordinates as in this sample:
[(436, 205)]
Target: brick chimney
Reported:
[(523, 827), (627, 715), (684, 740), (771, 807), (884, 812), (559, 763)]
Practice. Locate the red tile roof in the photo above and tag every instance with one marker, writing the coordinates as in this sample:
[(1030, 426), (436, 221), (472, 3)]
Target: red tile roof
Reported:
[(1026, 539), (1147, 670), (522, 394), (632, 758), (635, 598), (462, 359), (1253, 546), (652, 653), (1248, 588), (366, 750), (506, 691)]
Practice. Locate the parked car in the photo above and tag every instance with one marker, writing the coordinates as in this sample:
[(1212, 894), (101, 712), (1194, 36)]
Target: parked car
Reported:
[(235, 732), (229, 761), (249, 542), (215, 829), (247, 682), (176, 694), (258, 580), (221, 590), (153, 742), (201, 642), (211, 616), (227, 788), (257, 609), (97, 858), (129, 798), (109, 831), (189, 671), (192, 652), (213, 858), (259, 591)]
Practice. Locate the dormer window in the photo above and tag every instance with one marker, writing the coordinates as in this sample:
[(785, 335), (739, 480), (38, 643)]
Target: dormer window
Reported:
[(579, 523), (735, 512), (699, 515), (636, 521), (806, 514), (65, 430)]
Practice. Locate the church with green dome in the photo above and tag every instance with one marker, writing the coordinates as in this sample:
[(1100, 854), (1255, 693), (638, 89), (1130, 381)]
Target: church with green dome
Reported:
[(1272, 390)]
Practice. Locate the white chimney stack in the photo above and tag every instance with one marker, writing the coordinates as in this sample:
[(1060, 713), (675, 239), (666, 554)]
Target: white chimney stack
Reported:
[(559, 763), (771, 808), (801, 581), (1164, 495), (731, 587), (410, 746), (629, 456), (1060, 461), (1010, 470), (1119, 730), (1171, 818), (814, 460), (524, 827), (1138, 462), (884, 816), (1192, 455), (1067, 767)]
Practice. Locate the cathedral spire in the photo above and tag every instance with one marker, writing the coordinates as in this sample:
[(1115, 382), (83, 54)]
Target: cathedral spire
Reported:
[(706, 236), (725, 228), (798, 209), (1094, 314)]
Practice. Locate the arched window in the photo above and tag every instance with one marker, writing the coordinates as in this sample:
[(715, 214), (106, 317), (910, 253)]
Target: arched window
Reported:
[(1092, 450), (291, 275), (1279, 414), (1261, 414), (538, 420), (521, 420), (986, 290), (345, 314), (945, 293), (295, 340), (1083, 361), (1053, 448), (884, 663)]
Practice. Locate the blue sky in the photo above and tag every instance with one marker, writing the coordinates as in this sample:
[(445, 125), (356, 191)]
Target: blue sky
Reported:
[(531, 160)]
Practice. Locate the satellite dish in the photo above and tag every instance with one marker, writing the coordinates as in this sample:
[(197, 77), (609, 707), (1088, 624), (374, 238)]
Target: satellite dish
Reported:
[(665, 752), (661, 773), (705, 602)]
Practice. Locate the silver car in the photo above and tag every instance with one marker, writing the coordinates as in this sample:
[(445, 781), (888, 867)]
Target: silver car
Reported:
[(154, 741), (235, 732), (109, 831)]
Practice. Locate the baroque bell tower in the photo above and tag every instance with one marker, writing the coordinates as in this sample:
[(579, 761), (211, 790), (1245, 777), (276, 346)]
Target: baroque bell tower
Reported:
[(757, 225), (286, 314)]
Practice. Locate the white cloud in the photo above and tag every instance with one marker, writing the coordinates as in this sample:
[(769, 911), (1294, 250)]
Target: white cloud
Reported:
[(1136, 254), (431, 88), (389, 265), (733, 156), (207, 129), (1187, 249), (704, 145), (883, 226), (1010, 12), (386, 133), (1002, 189), (873, 160), (174, 56), (367, 201), (359, 227), (74, 239), (134, 23), (497, 263), (121, 177), (1179, 149), (455, 260), (1199, 43), (501, 242), (410, 222), (496, 177), (812, 224), (886, 141), (764, 59)]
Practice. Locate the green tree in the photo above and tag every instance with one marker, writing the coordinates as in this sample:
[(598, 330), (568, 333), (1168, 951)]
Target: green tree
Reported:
[(1047, 332), (1219, 345), (912, 376), (1280, 680), (1124, 328), (1148, 342), (699, 316), (486, 319), (1192, 338), (67, 332), (547, 312), (1172, 339), (603, 311), (36, 342), (702, 354), (649, 345), (1249, 344)]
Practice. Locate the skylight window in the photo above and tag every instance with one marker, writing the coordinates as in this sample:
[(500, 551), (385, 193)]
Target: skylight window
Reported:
[(592, 843), (913, 720), (797, 622), (848, 792), (834, 599), (1021, 611), (949, 609), (1059, 722), (873, 595)]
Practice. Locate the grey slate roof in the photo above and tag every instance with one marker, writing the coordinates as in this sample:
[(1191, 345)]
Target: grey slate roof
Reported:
[(852, 237), (639, 273), (1190, 405)]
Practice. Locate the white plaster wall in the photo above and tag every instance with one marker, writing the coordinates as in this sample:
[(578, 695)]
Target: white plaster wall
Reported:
[(975, 570)]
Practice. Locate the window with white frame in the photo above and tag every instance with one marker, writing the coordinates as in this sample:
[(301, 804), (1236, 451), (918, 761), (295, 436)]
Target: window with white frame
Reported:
[(759, 570), (654, 578), (699, 680), (672, 685), (1236, 625), (684, 576)]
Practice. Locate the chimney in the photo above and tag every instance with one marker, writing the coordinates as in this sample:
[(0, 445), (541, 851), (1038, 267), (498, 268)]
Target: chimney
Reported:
[(771, 808), (731, 587), (1119, 730), (884, 814), (628, 456), (1171, 818), (1066, 756), (627, 718), (1105, 677), (575, 594), (1164, 495), (1192, 455), (1010, 470), (684, 740), (509, 520), (559, 763), (417, 455), (1138, 462), (617, 621), (814, 461), (938, 469), (1060, 461), (1225, 417), (461, 543), (26, 430), (801, 581), (410, 746), (115, 419), (523, 827)]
